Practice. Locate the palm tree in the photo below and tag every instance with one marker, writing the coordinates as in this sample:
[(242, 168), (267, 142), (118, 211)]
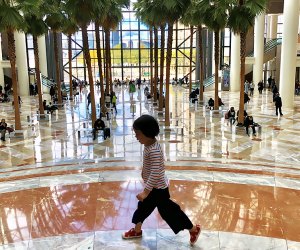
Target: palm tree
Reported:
[(215, 18), (110, 20), (37, 27), (174, 9), (145, 12), (54, 19), (162, 64), (83, 12), (69, 28), (241, 18), (10, 21), (99, 57)]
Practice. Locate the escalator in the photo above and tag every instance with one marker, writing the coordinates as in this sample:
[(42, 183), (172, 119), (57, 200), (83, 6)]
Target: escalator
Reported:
[(270, 52)]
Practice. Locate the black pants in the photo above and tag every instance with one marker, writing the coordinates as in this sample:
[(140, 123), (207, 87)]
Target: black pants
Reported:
[(278, 108), (169, 210), (253, 130)]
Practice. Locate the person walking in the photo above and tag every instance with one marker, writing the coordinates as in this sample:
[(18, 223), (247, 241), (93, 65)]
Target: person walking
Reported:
[(156, 192), (114, 101), (278, 104)]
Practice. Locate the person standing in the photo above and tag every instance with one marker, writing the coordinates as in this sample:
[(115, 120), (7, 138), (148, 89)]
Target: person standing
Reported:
[(251, 85), (114, 101), (88, 100), (3, 127), (156, 191), (278, 104)]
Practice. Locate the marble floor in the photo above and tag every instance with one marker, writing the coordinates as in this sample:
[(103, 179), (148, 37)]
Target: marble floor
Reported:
[(59, 189)]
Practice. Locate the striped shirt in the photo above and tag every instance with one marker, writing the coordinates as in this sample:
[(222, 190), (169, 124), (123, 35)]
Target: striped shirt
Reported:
[(153, 172)]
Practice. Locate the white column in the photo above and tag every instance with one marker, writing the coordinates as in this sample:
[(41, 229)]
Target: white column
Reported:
[(289, 52), (235, 65), (273, 26), (22, 67), (43, 59), (258, 49), (1, 68), (272, 34)]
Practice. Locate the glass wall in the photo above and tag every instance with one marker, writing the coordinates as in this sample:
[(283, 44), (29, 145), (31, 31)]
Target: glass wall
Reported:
[(130, 50)]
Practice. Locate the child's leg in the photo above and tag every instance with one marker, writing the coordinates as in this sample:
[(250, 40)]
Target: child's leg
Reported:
[(144, 209), (172, 213)]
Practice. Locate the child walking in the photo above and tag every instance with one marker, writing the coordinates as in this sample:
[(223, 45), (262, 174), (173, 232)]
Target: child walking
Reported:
[(156, 192)]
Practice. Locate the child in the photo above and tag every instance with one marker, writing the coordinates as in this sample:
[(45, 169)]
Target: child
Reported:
[(156, 192)]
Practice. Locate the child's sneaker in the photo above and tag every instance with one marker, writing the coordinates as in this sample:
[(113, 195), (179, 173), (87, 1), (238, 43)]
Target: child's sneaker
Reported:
[(131, 234), (195, 235)]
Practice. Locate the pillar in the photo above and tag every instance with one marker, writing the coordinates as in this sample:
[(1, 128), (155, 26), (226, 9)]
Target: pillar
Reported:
[(43, 59), (289, 52), (22, 66), (272, 34), (258, 48), (1, 68), (235, 63)]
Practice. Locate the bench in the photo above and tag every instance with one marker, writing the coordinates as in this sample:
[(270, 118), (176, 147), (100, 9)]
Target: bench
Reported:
[(88, 131), (176, 130), (17, 133)]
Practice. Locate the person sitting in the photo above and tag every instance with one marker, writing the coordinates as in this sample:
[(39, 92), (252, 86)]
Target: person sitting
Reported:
[(249, 123), (211, 103), (98, 125), (3, 127), (49, 108), (220, 101), (246, 98), (193, 96), (231, 115)]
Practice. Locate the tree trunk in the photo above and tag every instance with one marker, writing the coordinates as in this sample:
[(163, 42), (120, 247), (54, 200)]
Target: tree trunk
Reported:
[(98, 44), (57, 67), (107, 77), (162, 64), (191, 56), (38, 73), (12, 59), (151, 61), (217, 55), (243, 56), (155, 62), (109, 64), (168, 68), (201, 61), (87, 57), (70, 65)]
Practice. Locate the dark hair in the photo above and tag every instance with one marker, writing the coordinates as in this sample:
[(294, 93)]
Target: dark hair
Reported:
[(148, 125)]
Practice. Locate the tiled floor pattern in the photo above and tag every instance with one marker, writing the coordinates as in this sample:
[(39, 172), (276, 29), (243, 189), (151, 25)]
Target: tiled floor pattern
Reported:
[(59, 190)]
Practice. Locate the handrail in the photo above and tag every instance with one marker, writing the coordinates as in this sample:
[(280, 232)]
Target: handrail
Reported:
[(207, 82), (47, 82), (271, 44)]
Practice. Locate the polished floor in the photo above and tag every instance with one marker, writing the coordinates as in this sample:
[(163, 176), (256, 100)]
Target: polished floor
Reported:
[(59, 189)]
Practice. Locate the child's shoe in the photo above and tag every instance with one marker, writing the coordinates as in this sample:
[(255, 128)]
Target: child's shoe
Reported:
[(131, 234), (195, 235)]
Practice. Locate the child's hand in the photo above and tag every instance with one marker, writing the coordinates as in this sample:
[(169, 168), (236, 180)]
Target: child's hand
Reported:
[(141, 196)]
